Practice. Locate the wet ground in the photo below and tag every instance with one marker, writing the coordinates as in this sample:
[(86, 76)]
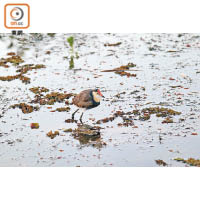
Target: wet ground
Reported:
[(159, 74)]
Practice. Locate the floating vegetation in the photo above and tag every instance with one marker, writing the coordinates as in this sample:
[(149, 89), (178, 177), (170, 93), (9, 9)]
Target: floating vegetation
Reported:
[(34, 125), (144, 115), (112, 45), (63, 109), (194, 133), (25, 107), (127, 121), (52, 134), (11, 54), (14, 59), (161, 162), (126, 74), (167, 120), (190, 161), (58, 97), (68, 130), (51, 98), (119, 94), (9, 78), (152, 49), (105, 120), (176, 86), (24, 79), (48, 52), (3, 64), (136, 112), (25, 68), (110, 119), (38, 90), (160, 112), (121, 70)]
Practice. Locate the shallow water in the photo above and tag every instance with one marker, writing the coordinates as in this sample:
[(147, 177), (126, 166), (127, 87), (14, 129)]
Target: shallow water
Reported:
[(162, 61)]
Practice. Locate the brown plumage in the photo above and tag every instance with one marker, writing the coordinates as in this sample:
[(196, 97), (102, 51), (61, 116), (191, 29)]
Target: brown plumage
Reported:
[(84, 99), (87, 99)]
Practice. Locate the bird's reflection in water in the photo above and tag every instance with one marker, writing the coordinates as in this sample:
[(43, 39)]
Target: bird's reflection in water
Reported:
[(89, 136)]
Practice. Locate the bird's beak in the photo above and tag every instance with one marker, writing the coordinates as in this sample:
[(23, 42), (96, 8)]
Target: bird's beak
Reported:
[(101, 94)]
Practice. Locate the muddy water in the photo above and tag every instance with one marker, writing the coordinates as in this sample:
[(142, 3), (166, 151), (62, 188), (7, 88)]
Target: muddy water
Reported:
[(163, 62)]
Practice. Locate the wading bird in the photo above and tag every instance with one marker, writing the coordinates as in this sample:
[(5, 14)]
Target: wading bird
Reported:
[(86, 100)]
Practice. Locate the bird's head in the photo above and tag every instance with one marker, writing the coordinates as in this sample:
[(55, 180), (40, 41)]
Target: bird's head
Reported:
[(97, 95)]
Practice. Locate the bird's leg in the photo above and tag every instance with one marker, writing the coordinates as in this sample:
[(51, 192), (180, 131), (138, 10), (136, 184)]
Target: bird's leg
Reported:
[(74, 113), (81, 118)]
